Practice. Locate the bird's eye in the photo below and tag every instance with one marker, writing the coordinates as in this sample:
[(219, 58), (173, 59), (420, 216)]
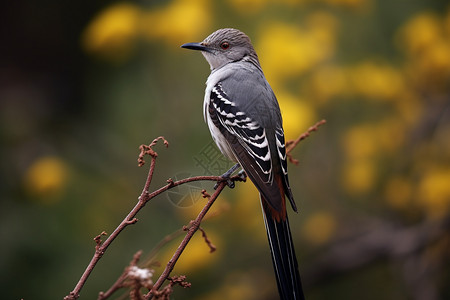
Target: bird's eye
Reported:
[(225, 45)]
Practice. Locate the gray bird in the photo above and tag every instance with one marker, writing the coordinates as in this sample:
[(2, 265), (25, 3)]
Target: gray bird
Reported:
[(245, 122)]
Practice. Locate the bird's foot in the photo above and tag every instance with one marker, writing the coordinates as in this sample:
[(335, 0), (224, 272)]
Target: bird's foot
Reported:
[(227, 177), (242, 175)]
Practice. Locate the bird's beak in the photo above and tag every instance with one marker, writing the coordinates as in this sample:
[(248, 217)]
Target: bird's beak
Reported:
[(196, 46)]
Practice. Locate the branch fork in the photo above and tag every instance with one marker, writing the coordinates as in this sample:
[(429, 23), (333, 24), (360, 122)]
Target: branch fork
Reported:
[(138, 283)]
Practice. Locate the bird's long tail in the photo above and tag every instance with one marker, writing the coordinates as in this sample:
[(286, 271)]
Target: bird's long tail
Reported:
[(283, 255)]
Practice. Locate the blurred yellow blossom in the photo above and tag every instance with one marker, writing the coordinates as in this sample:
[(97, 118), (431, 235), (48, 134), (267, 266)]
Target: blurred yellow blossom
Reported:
[(434, 191), (355, 4), (233, 290), (45, 178), (376, 80), (426, 42), (398, 192), (435, 61), (248, 6), (248, 285), (197, 202), (447, 22), (197, 254), (409, 107), (324, 26), (112, 33), (178, 22), (298, 115), (290, 2), (359, 143), (389, 134), (420, 32), (246, 212), (319, 228), (288, 50), (327, 82), (368, 140), (358, 176)]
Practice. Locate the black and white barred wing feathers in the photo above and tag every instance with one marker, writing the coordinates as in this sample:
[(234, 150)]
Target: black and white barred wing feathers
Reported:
[(250, 144), (250, 135)]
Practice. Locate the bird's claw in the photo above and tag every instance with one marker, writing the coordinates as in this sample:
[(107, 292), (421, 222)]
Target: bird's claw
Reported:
[(242, 175), (229, 182)]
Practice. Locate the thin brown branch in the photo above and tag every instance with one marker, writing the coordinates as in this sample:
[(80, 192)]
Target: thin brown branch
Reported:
[(147, 150), (146, 196), (165, 293), (120, 282), (290, 145), (208, 242), (194, 227), (129, 220), (168, 238)]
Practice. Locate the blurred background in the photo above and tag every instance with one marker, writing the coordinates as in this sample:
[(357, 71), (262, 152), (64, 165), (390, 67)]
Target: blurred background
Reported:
[(84, 83)]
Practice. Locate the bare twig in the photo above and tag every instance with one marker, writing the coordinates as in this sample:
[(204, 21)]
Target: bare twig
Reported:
[(194, 227), (290, 145), (208, 242), (146, 196), (168, 238), (168, 289), (120, 282)]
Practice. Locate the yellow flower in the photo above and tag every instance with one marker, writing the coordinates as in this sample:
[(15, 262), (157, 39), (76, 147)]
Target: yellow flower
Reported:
[(358, 4), (178, 22), (434, 191), (112, 33), (194, 202), (328, 82), (389, 134), (319, 228), (244, 285), (298, 115), (376, 81), (435, 60), (248, 6), (45, 179), (287, 50), (290, 2), (420, 32), (196, 255), (409, 108), (398, 192), (447, 22), (246, 212), (359, 142), (359, 176), (425, 39)]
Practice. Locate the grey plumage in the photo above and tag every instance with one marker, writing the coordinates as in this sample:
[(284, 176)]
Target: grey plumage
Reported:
[(245, 121)]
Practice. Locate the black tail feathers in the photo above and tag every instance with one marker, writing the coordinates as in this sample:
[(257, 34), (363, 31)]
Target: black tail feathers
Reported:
[(283, 257)]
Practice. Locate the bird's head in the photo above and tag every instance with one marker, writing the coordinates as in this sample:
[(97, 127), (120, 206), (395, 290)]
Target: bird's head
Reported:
[(224, 46)]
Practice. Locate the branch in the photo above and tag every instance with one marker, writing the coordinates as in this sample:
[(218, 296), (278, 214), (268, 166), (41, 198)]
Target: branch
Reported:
[(138, 279), (130, 219), (194, 227), (290, 145), (146, 196)]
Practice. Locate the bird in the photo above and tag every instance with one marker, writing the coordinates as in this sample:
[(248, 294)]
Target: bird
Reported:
[(244, 118)]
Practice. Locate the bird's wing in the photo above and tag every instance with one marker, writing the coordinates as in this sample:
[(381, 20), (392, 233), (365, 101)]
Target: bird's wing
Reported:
[(259, 149)]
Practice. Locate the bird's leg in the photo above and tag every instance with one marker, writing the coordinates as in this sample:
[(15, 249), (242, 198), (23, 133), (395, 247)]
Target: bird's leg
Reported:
[(242, 174), (226, 176)]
